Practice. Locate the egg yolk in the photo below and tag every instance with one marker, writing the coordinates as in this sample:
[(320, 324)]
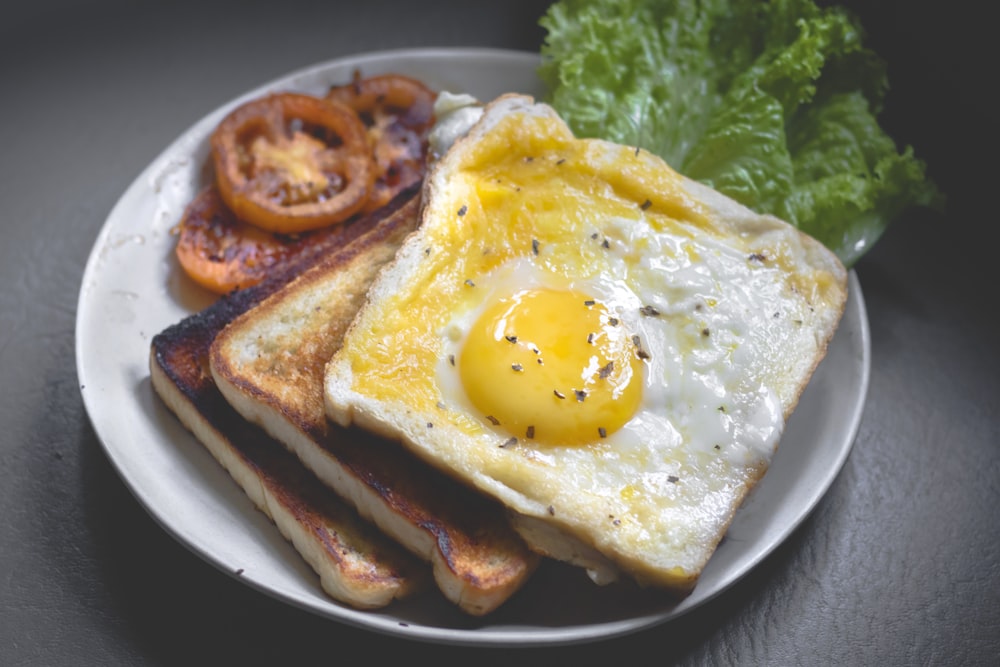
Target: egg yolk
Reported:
[(553, 366)]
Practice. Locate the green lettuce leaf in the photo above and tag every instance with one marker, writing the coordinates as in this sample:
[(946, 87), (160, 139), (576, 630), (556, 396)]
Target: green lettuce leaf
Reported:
[(774, 103)]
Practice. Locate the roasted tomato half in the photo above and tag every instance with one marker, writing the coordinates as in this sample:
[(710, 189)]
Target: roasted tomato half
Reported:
[(222, 253), (398, 112), (289, 162)]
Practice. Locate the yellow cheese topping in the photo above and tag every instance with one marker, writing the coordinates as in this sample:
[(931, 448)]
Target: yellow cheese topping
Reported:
[(530, 190)]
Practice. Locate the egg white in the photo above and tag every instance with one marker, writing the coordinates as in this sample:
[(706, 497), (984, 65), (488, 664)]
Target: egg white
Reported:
[(696, 398)]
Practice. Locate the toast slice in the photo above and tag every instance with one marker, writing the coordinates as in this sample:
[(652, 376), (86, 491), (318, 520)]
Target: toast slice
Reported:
[(357, 564), (269, 364), (605, 346)]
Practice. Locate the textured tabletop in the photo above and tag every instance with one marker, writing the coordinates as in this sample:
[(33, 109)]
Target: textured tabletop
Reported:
[(899, 564)]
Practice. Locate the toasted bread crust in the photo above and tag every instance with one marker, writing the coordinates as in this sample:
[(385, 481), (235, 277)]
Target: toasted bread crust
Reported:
[(356, 563), (269, 364)]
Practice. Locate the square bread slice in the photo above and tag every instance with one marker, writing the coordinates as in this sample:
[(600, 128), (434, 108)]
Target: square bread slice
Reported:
[(269, 364), (357, 564), (605, 346)]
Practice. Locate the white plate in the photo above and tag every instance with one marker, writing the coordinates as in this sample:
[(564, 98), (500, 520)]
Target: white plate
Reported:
[(132, 289)]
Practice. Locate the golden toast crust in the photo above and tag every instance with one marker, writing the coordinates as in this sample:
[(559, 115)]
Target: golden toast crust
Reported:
[(356, 563), (269, 364)]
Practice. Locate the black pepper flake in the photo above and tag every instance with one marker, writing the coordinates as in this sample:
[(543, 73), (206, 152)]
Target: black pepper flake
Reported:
[(605, 244), (534, 246), (757, 257), (535, 350), (797, 321), (594, 236), (717, 447), (462, 211), (705, 332), (722, 409), (493, 420), (590, 338), (552, 510), (589, 302), (616, 522), (529, 159), (639, 352), (509, 442), (673, 479), (776, 315), (517, 367), (637, 151), (430, 424), (468, 281), (601, 431), (540, 362), (645, 205), (581, 394), (606, 370), (649, 311), (451, 359), (558, 393), (441, 406), (529, 432), (613, 321), (560, 160), (239, 572), (427, 251), (511, 339)]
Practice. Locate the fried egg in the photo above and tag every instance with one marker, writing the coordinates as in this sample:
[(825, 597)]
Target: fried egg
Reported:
[(606, 347)]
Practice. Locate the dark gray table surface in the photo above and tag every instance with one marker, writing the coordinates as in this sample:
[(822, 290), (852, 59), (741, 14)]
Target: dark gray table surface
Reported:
[(898, 565)]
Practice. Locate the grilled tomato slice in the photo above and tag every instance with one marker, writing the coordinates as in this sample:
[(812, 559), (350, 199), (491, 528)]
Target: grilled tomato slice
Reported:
[(222, 253), (290, 162), (397, 112)]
